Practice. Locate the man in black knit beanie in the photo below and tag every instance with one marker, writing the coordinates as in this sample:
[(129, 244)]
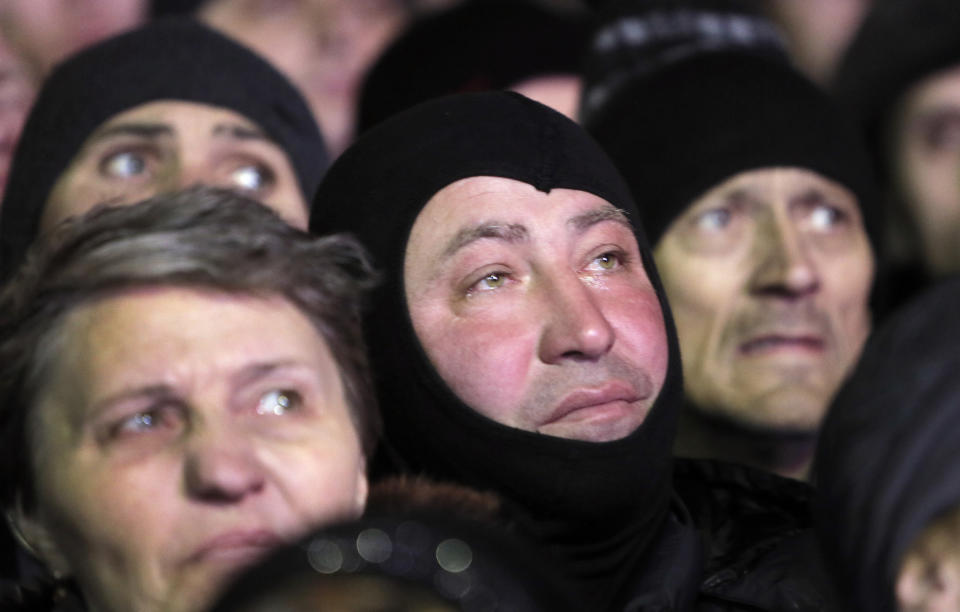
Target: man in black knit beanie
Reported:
[(757, 200)]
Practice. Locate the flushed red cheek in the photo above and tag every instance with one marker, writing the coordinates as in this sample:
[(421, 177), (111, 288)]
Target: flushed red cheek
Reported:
[(487, 365), (638, 321)]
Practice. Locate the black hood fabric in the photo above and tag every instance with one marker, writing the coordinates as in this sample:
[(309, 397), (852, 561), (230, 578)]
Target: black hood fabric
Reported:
[(597, 507), (887, 460), (685, 128), (170, 59), (478, 45), (166, 8)]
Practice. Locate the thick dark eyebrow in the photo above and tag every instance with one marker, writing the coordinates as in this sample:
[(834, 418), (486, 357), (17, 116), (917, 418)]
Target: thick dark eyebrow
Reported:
[(585, 221), (815, 196), (811, 195), (149, 392), (740, 196), (508, 232), (142, 130), (255, 371), (247, 375), (240, 132)]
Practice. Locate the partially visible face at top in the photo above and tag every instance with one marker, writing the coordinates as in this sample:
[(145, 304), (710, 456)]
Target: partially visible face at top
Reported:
[(535, 308), (47, 31), (323, 46), (561, 92), (768, 276), (17, 90), (169, 145), (819, 31), (180, 435), (926, 160), (929, 576)]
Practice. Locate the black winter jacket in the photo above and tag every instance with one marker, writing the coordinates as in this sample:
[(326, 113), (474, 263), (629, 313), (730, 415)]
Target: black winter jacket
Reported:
[(758, 545)]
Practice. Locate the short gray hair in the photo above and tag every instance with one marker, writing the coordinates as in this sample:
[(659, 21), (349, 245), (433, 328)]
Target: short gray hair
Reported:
[(203, 237)]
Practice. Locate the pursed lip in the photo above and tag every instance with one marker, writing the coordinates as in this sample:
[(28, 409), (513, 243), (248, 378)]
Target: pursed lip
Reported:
[(594, 397), (240, 545), (782, 341)]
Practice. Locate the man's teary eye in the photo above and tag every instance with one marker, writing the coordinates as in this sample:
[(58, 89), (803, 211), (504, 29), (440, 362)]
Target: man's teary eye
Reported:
[(252, 177), (714, 219)]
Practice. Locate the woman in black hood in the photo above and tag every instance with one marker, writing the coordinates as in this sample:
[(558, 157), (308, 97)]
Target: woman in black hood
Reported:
[(887, 464), (164, 106), (605, 511)]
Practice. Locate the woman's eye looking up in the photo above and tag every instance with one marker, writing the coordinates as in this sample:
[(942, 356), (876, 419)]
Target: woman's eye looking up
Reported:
[(251, 177), (276, 402), (124, 165)]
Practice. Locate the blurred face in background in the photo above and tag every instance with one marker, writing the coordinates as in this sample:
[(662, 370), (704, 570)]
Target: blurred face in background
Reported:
[(47, 31), (929, 577), (17, 91), (926, 167), (818, 31), (161, 147), (768, 276), (179, 436), (323, 46), (561, 92)]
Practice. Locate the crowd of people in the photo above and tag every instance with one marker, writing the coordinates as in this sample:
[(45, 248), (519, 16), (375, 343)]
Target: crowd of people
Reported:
[(480, 305)]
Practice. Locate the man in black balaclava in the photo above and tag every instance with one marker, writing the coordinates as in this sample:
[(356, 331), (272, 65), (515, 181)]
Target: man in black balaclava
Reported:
[(169, 105), (757, 199), (887, 470), (523, 344)]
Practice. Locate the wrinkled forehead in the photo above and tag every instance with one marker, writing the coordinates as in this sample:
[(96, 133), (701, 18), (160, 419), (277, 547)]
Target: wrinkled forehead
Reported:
[(510, 210), (779, 184), (158, 334)]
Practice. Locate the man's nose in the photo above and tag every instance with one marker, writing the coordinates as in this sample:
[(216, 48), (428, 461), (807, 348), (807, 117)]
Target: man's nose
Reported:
[(190, 173), (574, 324), (222, 466), (785, 266)]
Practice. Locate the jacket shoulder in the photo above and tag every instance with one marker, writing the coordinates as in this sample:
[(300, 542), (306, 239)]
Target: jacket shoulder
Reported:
[(760, 550)]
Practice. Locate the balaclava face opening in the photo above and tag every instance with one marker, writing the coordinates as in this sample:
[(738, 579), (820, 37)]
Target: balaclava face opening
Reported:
[(595, 505), (166, 60)]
